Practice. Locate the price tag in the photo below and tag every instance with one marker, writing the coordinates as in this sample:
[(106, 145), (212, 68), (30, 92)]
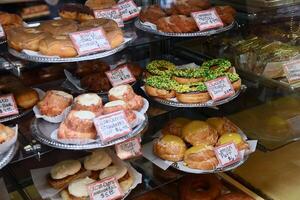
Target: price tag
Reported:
[(106, 189), (207, 19), (8, 105), (227, 154), (292, 71), (112, 126), (2, 33), (113, 13), (129, 149), (90, 41), (128, 9), (219, 88), (120, 75)]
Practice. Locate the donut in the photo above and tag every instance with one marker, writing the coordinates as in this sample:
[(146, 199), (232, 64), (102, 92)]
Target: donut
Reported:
[(235, 80), (159, 86), (235, 138), (200, 187), (222, 125), (76, 11), (57, 45), (160, 67), (59, 27), (192, 93), (20, 38), (235, 196), (191, 75), (217, 65), (174, 126)]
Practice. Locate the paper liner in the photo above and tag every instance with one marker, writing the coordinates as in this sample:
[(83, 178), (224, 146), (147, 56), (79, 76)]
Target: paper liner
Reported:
[(147, 150), (140, 119), (5, 146), (145, 107), (39, 177), (3, 190)]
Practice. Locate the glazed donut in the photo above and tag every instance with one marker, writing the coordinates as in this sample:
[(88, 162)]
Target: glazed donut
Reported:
[(177, 24), (161, 93), (235, 80), (159, 86), (59, 27), (192, 93), (235, 196), (25, 38), (200, 187), (217, 65), (160, 67), (191, 75), (59, 45)]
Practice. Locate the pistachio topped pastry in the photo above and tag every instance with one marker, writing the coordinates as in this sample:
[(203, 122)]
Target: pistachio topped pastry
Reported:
[(191, 87), (161, 82), (219, 65), (160, 67)]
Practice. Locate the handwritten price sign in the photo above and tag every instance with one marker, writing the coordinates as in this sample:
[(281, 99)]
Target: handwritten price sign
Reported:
[(219, 88), (207, 19), (128, 9), (227, 154), (8, 106), (2, 33), (106, 189), (113, 13), (120, 75), (129, 149), (90, 41), (292, 70), (112, 126)]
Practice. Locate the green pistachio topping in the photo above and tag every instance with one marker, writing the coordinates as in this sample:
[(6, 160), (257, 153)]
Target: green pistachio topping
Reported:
[(161, 82), (233, 77), (220, 64), (191, 87), (160, 67), (190, 73)]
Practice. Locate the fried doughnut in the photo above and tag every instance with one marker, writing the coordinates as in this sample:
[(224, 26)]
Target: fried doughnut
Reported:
[(160, 67), (174, 126), (222, 125), (200, 187), (186, 7), (177, 24), (217, 65), (152, 14), (235, 196), (235, 138), (59, 27), (25, 38)]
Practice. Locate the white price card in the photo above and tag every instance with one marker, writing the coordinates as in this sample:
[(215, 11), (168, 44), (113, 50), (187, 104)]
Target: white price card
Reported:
[(112, 126), (227, 154), (207, 19), (8, 105), (106, 189), (219, 88), (128, 9), (2, 33), (90, 41), (129, 149), (120, 75), (113, 13), (292, 70)]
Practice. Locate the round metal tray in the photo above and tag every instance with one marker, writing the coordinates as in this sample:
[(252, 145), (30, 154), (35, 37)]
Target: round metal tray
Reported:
[(8, 156), (42, 130), (48, 59), (142, 27), (13, 117), (198, 105)]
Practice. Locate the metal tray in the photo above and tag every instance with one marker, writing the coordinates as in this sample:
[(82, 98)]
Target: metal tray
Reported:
[(42, 130), (198, 105), (9, 155), (140, 26)]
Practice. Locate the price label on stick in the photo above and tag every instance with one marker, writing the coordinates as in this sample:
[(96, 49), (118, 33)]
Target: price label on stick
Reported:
[(128, 9), (207, 19), (219, 88), (129, 149), (227, 154), (89, 41), (106, 189), (8, 106), (112, 126), (113, 13), (2, 33), (120, 75), (292, 70)]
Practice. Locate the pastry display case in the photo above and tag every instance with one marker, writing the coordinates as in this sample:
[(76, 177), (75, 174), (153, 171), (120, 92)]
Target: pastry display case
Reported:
[(179, 99)]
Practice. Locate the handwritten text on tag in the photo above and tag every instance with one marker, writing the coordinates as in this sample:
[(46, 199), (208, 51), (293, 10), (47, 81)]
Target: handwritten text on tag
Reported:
[(8, 105), (120, 75), (207, 19), (129, 149), (113, 13), (219, 88), (106, 189), (292, 70), (90, 41), (2, 33), (227, 154), (112, 126), (128, 9)]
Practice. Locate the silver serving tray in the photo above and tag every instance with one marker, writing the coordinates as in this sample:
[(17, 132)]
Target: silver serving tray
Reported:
[(198, 105), (142, 27), (13, 117), (43, 59), (8, 156), (42, 130)]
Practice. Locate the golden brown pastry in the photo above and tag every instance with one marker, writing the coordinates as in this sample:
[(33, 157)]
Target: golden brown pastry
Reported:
[(6, 133), (233, 138), (161, 93), (170, 147), (59, 27), (201, 157), (226, 13), (35, 11), (26, 98), (76, 11), (89, 102), (177, 24), (9, 20), (186, 7), (77, 189), (222, 125), (174, 126), (100, 4), (199, 132), (152, 14)]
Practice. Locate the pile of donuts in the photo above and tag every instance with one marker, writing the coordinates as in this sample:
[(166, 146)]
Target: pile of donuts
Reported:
[(78, 123), (177, 18), (165, 81), (193, 141), (51, 38)]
